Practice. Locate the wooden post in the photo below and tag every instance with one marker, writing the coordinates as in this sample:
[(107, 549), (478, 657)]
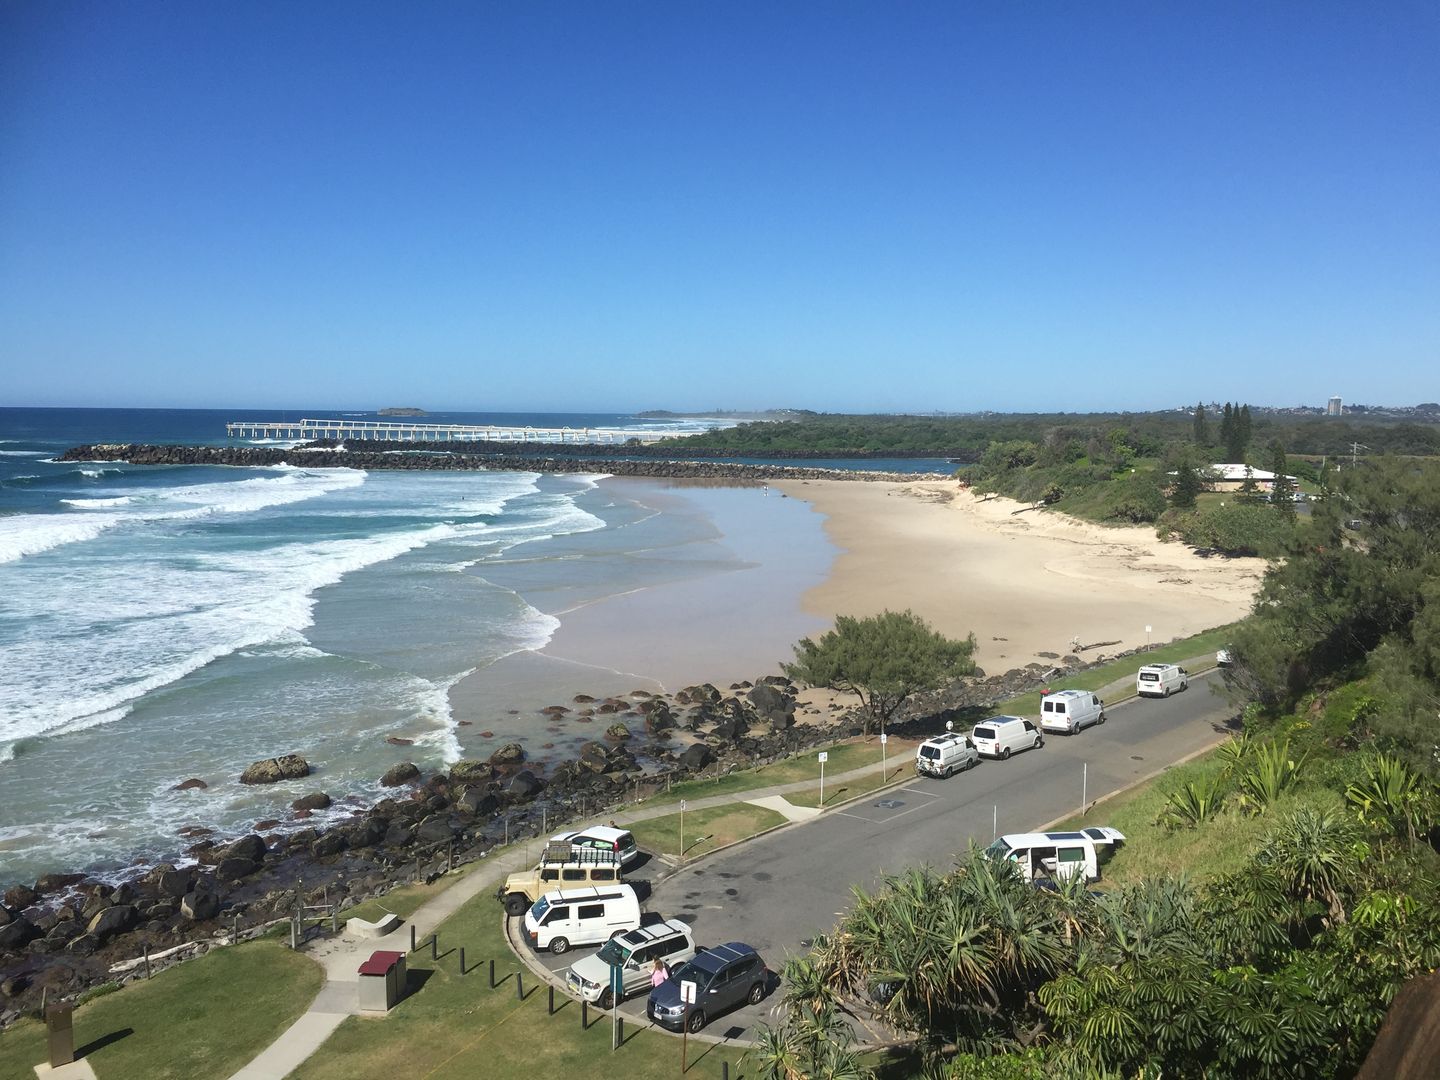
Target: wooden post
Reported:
[(519, 987), (492, 974), (584, 1015), (462, 959), (147, 961), (550, 1002)]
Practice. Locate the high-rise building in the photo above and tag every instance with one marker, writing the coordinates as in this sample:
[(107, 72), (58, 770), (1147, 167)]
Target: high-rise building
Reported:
[(1334, 408)]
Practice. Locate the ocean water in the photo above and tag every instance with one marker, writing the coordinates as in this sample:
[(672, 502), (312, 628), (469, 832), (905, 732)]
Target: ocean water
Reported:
[(161, 623)]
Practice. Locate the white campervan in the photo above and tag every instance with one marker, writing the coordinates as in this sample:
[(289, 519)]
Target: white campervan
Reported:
[(1057, 855), (1001, 736), (1067, 711), (581, 917), (1160, 680), (945, 755)]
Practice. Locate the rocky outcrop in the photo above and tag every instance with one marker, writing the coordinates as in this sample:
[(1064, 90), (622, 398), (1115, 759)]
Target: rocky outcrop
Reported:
[(198, 906), (316, 801), (273, 770), (403, 773), (509, 754), (193, 784)]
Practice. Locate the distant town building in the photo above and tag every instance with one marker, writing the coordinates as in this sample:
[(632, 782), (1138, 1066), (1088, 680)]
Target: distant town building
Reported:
[(1334, 408), (1232, 476)]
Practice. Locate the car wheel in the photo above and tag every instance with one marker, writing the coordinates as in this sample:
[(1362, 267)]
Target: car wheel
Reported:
[(756, 993), (515, 905), (1166, 693), (1005, 754), (972, 763), (696, 1020), (1039, 742), (559, 945), (949, 772), (607, 999), (1102, 719)]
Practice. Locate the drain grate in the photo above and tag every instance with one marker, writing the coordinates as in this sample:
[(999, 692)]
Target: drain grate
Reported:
[(889, 804)]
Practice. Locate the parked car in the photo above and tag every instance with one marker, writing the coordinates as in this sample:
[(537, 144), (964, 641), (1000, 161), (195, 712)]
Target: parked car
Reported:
[(602, 838), (1001, 736), (946, 755), (1069, 711), (725, 977), (561, 866), (634, 954), (1160, 680), (1223, 658), (569, 917), (1057, 855)]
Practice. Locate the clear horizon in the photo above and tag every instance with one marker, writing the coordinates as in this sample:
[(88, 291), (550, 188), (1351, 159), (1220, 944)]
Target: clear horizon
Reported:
[(857, 208)]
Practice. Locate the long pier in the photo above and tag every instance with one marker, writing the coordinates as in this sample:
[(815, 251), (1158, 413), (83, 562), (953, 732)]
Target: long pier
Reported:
[(392, 431)]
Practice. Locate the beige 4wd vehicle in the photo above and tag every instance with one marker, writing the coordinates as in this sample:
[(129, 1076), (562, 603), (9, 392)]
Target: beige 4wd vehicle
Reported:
[(562, 866)]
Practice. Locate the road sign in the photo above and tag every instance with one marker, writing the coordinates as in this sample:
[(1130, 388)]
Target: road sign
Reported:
[(687, 992), (617, 984), (883, 738), (824, 756)]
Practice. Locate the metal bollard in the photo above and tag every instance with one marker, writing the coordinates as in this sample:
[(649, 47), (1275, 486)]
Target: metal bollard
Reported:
[(462, 959), (435, 946), (584, 1015), (519, 987), (724, 1070), (412, 937), (550, 1004), (492, 974)]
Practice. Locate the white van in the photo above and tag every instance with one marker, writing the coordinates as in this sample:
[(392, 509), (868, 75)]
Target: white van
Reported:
[(946, 755), (1160, 680), (1067, 711), (1057, 855), (1001, 736), (581, 917)]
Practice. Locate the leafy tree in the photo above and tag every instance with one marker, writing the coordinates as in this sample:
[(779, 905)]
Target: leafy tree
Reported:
[(1243, 430), (1228, 436), (882, 659), (1187, 486), (1201, 428), (1282, 491)]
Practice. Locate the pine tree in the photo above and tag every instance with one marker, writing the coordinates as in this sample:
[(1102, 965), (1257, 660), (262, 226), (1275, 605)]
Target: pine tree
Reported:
[(1233, 435), (1282, 491), (1202, 427), (1187, 485), (1227, 431), (1242, 429)]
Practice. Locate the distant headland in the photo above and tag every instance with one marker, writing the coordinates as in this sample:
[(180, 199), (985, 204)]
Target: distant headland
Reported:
[(402, 410)]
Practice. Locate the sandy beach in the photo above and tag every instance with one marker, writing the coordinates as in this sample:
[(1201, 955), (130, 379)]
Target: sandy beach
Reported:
[(1024, 584)]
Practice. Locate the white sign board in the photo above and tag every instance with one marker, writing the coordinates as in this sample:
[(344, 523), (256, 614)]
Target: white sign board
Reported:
[(883, 737), (687, 992), (1147, 629), (824, 756), (682, 804)]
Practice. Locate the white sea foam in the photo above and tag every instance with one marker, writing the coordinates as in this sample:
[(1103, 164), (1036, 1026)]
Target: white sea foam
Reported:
[(23, 453), (30, 534), (97, 504)]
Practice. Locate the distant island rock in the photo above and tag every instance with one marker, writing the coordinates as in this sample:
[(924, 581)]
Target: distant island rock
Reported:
[(403, 411)]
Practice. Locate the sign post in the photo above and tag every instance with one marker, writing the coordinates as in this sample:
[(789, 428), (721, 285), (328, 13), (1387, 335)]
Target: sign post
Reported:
[(617, 990), (1084, 785), (883, 774), (681, 852), (824, 756), (687, 1000)]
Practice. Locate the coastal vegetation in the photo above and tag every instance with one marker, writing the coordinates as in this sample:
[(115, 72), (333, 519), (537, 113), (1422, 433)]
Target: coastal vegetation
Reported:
[(1272, 897), (883, 660)]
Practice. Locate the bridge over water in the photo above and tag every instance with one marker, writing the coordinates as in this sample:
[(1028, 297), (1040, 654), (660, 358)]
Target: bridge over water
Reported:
[(393, 431)]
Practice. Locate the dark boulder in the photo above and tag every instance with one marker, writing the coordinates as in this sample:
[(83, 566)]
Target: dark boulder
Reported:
[(84, 945), (524, 785), (96, 904), (509, 754), (399, 834), (64, 932), (5, 917), (14, 986), (659, 718), (16, 934), (435, 830), (772, 704), (273, 770), (471, 772), (175, 883), (370, 831), (233, 869), (403, 773), (247, 847), (19, 897), (696, 756), (193, 784), (617, 732), (198, 906), (50, 883), (332, 843), (111, 921), (316, 801), (477, 801)]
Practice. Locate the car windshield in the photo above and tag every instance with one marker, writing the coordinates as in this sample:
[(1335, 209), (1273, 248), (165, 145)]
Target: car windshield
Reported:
[(999, 849), (541, 906), (984, 733), (929, 751), (688, 972), (614, 953)]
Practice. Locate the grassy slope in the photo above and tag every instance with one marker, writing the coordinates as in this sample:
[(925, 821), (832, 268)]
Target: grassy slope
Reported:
[(705, 830), (206, 1017)]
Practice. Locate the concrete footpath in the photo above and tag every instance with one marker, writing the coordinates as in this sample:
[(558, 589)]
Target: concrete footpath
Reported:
[(342, 956)]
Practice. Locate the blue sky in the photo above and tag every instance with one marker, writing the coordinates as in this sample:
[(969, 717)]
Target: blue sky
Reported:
[(840, 206)]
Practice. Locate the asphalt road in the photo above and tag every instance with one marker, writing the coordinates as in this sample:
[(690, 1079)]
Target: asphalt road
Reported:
[(776, 893)]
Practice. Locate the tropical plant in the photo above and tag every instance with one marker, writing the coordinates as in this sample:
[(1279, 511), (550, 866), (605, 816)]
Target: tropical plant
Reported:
[(1392, 796), (882, 659), (1317, 854), (816, 1045), (1271, 773), (1235, 751), (1196, 802)]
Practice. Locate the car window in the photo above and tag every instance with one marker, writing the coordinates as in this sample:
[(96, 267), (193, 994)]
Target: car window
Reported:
[(671, 947), (984, 733), (602, 875), (549, 875), (572, 875), (558, 913), (592, 911), (643, 956), (1072, 855), (1029, 726)]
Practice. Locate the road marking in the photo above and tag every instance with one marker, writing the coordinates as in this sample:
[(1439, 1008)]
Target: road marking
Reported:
[(918, 791), (877, 821)]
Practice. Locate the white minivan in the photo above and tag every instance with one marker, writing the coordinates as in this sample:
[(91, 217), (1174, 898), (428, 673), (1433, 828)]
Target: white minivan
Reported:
[(1001, 736), (1067, 711), (569, 917), (1057, 855), (946, 755), (1160, 680)]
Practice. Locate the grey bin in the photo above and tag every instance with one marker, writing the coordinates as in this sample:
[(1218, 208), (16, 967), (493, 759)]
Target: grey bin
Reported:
[(382, 981)]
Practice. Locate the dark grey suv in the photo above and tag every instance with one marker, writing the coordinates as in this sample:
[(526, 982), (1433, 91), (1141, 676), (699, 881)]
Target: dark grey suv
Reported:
[(724, 977)]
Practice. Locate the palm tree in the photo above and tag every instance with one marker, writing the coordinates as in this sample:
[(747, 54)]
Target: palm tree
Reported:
[(1317, 855)]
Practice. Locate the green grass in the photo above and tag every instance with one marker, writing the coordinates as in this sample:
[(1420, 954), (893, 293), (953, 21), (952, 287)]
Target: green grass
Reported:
[(1217, 847), (206, 1017), (402, 901), (705, 830), (455, 1027), (899, 764), (843, 756)]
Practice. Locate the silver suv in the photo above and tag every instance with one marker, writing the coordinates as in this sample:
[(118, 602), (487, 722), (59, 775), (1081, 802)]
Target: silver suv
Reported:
[(634, 953)]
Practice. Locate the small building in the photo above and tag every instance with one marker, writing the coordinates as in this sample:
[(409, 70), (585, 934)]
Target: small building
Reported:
[(1231, 477)]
